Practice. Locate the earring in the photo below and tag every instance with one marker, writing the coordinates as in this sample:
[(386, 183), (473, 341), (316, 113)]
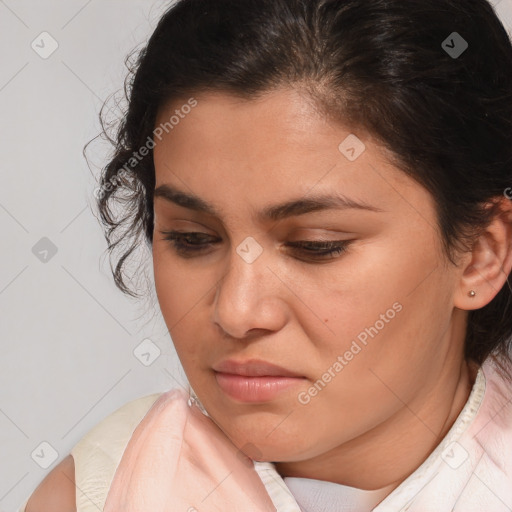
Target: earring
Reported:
[(472, 293)]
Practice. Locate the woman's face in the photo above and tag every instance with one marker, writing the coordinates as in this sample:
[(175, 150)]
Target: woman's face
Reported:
[(365, 329)]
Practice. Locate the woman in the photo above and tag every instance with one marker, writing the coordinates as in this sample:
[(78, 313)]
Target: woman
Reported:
[(323, 185)]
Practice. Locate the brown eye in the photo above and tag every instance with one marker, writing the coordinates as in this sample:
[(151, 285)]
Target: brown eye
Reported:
[(190, 244), (187, 243), (314, 249)]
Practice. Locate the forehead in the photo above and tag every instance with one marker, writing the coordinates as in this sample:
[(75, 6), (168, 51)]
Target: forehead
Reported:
[(282, 120), (231, 150), (280, 131)]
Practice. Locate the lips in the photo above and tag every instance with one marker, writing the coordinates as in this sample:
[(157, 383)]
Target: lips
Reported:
[(253, 368), (255, 381)]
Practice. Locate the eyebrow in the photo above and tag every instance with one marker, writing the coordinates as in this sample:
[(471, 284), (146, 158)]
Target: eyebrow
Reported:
[(291, 208)]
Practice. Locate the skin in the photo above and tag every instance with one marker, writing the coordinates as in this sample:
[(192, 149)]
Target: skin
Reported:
[(380, 417), (56, 493)]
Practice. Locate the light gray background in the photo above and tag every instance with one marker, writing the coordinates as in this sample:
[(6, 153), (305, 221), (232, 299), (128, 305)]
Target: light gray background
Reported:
[(67, 335)]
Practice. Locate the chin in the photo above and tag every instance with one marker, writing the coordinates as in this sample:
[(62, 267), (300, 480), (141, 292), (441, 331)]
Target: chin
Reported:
[(262, 441)]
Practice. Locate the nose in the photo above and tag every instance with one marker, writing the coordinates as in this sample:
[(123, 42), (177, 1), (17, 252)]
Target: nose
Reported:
[(249, 297)]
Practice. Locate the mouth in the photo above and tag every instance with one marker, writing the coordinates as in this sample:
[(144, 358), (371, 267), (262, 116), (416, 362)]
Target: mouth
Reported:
[(255, 380)]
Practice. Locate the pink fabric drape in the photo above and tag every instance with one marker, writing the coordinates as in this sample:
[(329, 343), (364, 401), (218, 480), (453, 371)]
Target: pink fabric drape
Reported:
[(178, 460)]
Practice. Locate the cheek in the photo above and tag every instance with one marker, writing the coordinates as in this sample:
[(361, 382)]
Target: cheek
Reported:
[(377, 308), (178, 289), (387, 350), (179, 296), (360, 293)]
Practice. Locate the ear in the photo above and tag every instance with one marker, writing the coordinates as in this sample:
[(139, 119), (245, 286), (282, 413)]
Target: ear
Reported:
[(486, 268)]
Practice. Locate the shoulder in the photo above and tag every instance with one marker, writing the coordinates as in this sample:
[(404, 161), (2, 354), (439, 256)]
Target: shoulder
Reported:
[(478, 467), (56, 493), (492, 428), (92, 462), (498, 394), (99, 452), (117, 425)]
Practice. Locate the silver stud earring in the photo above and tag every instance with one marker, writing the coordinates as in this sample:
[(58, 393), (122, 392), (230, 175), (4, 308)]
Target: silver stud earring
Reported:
[(472, 293)]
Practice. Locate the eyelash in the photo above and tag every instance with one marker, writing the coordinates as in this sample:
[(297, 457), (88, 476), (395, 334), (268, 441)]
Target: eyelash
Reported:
[(320, 249)]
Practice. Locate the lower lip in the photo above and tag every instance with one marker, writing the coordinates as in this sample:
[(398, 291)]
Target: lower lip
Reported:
[(254, 389)]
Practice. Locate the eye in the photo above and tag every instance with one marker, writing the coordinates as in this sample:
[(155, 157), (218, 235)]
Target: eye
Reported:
[(320, 249), (191, 244), (187, 244)]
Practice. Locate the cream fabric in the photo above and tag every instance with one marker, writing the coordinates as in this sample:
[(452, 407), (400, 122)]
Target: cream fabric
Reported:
[(98, 453)]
